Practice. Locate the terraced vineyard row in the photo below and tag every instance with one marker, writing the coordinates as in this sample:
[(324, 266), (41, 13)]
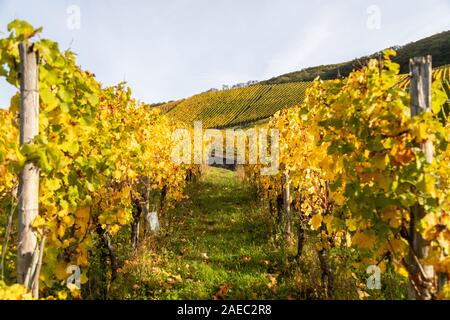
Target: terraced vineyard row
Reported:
[(218, 109), (235, 107), (169, 106), (441, 73), (278, 97)]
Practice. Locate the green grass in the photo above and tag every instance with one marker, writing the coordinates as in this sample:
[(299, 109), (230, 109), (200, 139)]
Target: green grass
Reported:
[(224, 240), (219, 238), (222, 244)]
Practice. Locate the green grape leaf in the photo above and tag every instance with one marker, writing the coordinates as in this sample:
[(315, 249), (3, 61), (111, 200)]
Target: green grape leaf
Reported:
[(22, 29)]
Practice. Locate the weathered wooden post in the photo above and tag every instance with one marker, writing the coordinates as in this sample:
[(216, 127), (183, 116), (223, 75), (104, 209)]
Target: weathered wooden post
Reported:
[(27, 249), (286, 205), (421, 277)]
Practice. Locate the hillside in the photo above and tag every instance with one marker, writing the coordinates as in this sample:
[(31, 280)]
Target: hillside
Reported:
[(437, 45), (240, 107), (235, 107)]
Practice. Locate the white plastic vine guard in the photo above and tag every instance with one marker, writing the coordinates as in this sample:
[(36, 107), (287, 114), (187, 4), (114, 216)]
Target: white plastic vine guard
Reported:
[(153, 221)]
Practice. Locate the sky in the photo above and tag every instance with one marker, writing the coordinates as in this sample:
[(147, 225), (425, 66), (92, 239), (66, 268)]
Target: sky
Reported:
[(171, 49)]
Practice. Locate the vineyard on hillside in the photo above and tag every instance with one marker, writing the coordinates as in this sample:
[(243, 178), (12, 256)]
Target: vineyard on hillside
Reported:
[(240, 107), (234, 107), (96, 204)]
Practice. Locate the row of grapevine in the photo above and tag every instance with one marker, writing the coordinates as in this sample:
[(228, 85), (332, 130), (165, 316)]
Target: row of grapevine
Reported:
[(102, 158), (359, 180), (219, 109), (441, 74), (169, 106), (227, 108), (282, 95)]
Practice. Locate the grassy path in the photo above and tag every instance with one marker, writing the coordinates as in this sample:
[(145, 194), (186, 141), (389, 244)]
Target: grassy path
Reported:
[(219, 243)]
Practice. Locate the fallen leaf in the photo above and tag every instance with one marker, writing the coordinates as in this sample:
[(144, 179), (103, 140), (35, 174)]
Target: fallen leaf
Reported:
[(204, 255), (272, 280), (223, 291)]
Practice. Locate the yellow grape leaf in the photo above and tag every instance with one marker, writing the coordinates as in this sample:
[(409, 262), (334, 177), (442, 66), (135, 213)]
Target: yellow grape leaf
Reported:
[(362, 294), (429, 223), (14, 292), (117, 174), (122, 216), (68, 220), (427, 185), (82, 213), (61, 230), (338, 198), (114, 229), (430, 185), (316, 221), (383, 180), (61, 295), (382, 266), (401, 154), (81, 220), (328, 221), (393, 216), (74, 290), (132, 174), (52, 184), (399, 246), (83, 278), (38, 222), (380, 162), (388, 53), (351, 224), (81, 259), (363, 240), (401, 270), (60, 271), (420, 132)]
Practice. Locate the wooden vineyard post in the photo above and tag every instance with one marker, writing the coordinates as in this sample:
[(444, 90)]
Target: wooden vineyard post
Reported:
[(421, 277), (28, 248), (286, 205)]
